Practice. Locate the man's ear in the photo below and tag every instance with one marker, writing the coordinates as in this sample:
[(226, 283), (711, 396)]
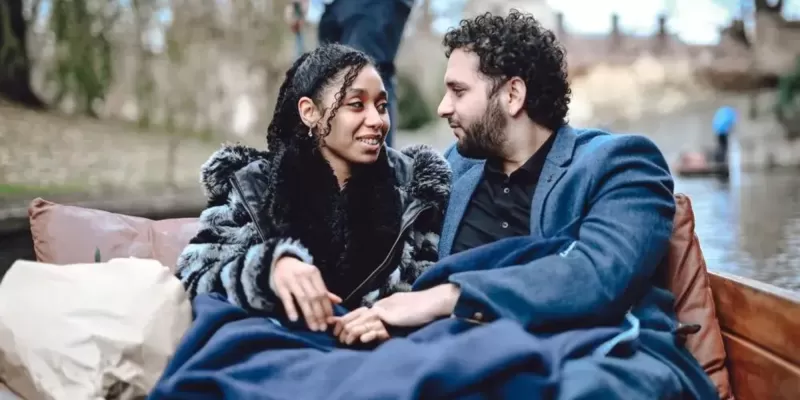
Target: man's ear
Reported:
[(517, 90), (309, 113)]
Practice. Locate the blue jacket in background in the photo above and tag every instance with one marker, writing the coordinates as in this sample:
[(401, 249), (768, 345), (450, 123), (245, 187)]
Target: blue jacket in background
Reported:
[(724, 120)]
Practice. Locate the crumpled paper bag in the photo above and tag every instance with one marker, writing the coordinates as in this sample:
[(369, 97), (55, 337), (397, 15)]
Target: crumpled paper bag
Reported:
[(89, 331)]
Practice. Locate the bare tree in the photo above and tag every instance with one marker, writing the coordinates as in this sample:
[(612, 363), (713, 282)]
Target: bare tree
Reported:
[(15, 66)]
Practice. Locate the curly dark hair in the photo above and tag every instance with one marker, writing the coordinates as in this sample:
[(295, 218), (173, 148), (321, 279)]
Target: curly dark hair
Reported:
[(311, 75), (518, 45)]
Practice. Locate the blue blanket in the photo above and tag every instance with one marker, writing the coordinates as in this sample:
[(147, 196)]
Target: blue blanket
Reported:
[(230, 354)]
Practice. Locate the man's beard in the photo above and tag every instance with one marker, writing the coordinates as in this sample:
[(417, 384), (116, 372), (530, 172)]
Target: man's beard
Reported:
[(485, 137)]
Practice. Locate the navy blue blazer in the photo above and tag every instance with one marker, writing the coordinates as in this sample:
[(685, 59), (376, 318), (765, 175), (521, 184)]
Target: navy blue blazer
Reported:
[(603, 208)]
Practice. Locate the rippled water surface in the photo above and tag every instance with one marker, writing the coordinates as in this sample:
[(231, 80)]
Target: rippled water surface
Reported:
[(749, 225)]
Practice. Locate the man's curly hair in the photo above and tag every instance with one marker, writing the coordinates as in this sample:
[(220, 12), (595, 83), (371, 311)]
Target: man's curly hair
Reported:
[(518, 45)]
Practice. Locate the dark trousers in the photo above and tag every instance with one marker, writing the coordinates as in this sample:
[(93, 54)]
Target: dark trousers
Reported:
[(374, 27), (722, 149)]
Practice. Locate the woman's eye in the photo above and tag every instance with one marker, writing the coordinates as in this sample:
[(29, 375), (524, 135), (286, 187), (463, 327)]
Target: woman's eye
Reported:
[(382, 107), (356, 104)]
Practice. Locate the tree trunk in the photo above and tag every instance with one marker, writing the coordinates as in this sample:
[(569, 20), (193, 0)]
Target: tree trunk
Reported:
[(15, 68)]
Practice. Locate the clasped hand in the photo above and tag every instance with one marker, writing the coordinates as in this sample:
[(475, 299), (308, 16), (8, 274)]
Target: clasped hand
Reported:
[(405, 309), (296, 281)]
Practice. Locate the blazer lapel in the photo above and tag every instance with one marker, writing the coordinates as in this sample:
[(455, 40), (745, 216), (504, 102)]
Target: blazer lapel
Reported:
[(554, 168), (459, 199)]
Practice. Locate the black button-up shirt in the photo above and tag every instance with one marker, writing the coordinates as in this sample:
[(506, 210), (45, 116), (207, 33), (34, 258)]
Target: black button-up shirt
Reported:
[(500, 207)]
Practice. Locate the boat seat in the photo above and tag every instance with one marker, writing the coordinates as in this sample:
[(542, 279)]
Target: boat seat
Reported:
[(685, 275), (65, 234)]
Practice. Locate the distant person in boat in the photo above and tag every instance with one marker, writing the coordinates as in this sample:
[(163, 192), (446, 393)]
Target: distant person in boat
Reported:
[(723, 123), (522, 177), (372, 26), (329, 215)]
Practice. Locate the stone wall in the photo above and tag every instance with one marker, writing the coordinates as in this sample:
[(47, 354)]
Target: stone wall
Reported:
[(52, 151)]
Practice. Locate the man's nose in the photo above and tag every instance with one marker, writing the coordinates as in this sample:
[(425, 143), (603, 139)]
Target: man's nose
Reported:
[(445, 108)]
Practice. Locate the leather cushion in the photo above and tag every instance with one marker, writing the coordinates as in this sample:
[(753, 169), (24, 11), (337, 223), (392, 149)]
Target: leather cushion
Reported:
[(64, 234), (687, 278)]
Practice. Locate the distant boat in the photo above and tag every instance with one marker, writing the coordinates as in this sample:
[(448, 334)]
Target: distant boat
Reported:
[(700, 164)]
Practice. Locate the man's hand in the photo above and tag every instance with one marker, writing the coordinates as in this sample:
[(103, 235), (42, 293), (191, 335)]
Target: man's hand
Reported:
[(362, 324), (412, 309), (296, 280)]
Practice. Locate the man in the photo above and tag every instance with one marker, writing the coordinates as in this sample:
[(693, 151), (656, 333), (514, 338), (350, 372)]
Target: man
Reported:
[(723, 123), (372, 26), (521, 173)]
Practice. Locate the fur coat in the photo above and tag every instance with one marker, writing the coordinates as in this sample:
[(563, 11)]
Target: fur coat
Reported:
[(370, 239)]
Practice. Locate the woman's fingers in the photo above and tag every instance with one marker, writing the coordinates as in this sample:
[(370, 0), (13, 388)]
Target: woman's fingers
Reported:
[(323, 298), (302, 300), (368, 337), (300, 285), (334, 298), (361, 324), (380, 334), (345, 319), (315, 300), (352, 333), (285, 294)]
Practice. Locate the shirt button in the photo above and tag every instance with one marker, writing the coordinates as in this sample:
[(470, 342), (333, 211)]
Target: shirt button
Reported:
[(506, 190), (504, 225)]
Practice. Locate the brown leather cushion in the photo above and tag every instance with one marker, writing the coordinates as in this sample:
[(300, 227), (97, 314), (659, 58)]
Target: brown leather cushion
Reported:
[(687, 278), (65, 234)]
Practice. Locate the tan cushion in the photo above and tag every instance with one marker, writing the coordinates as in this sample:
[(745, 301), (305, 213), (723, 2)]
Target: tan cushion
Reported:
[(89, 331), (64, 234), (687, 278)]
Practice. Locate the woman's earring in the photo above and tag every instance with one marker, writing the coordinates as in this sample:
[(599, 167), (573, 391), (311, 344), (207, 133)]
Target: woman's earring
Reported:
[(310, 132)]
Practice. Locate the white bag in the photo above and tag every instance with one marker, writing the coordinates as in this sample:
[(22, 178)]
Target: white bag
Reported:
[(89, 331)]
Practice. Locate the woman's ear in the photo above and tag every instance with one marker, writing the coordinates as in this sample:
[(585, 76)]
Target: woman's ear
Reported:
[(309, 113)]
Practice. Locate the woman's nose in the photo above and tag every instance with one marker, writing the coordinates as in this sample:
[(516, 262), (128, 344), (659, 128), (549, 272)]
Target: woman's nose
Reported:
[(374, 118)]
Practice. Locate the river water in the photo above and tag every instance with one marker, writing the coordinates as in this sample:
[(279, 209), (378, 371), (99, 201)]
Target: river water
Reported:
[(750, 224)]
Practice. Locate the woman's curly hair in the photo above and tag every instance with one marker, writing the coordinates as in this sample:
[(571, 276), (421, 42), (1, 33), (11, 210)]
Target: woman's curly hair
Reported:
[(518, 45), (310, 75)]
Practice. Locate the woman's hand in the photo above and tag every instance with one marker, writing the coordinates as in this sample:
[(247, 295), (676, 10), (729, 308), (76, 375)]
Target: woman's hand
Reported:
[(294, 280), (360, 324)]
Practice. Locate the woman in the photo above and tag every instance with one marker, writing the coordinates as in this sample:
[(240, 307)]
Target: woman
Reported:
[(329, 214)]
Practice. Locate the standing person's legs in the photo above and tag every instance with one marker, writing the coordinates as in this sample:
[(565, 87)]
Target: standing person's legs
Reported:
[(329, 29), (722, 148), (374, 27)]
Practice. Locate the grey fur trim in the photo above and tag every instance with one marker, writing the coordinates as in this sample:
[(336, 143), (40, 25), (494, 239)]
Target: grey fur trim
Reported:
[(254, 262), (431, 178), (216, 173)]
